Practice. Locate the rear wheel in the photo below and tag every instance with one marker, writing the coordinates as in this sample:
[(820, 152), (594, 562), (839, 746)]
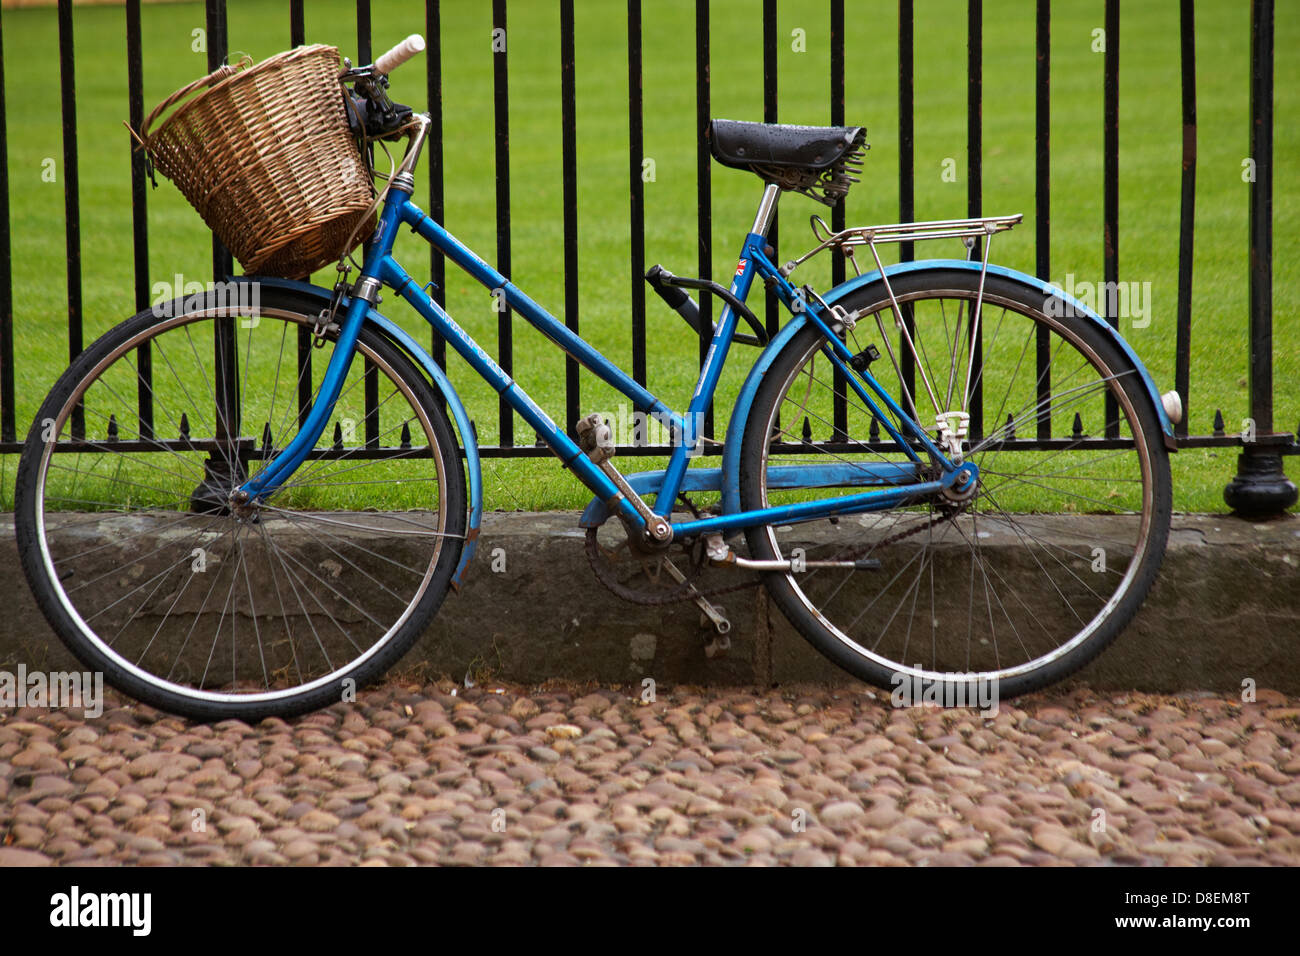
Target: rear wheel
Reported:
[(147, 573), (1021, 582)]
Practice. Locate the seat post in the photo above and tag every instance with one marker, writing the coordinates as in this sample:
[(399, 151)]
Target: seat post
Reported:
[(766, 210)]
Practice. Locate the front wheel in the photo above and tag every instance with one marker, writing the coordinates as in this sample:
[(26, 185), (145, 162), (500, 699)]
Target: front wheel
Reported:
[(143, 567), (1020, 581)]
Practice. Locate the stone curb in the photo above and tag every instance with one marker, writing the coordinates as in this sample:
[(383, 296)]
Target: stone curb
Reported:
[(1225, 609)]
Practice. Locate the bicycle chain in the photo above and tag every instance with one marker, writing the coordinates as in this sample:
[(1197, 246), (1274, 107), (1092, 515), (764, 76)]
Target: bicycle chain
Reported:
[(685, 591)]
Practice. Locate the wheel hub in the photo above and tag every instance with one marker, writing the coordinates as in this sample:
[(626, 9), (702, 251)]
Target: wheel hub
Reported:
[(964, 487)]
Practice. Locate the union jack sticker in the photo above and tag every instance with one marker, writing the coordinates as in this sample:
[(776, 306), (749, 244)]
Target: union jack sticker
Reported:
[(740, 266)]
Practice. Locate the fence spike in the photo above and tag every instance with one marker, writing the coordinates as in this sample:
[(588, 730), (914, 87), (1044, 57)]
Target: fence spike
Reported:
[(338, 437), (1078, 426), (1011, 426), (267, 444), (873, 433), (1218, 423), (185, 427), (406, 435), (807, 430), (112, 428)]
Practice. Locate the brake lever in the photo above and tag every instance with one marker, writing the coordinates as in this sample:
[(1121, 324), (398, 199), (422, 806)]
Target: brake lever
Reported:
[(373, 114)]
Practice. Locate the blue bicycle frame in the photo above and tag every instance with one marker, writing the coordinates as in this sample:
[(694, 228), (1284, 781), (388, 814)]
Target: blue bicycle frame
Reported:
[(893, 483)]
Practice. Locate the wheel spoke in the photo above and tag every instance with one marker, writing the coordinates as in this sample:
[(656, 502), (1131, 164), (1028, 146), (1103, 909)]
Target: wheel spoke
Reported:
[(1016, 578), (211, 609)]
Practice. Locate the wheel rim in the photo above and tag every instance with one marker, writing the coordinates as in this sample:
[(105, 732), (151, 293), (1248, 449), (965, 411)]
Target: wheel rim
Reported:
[(253, 608), (1001, 589)]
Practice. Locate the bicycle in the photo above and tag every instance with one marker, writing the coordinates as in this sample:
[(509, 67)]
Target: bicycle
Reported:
[(922, 538)]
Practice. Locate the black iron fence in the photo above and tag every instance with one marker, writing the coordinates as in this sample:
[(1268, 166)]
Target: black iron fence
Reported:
[(1260, 485)]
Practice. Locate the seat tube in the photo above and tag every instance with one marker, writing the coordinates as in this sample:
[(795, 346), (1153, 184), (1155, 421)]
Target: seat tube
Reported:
[(766, 209), (679, 462)]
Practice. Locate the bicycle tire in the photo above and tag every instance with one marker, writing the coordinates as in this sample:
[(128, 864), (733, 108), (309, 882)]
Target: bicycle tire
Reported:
[(332, 609), (1034, 539)]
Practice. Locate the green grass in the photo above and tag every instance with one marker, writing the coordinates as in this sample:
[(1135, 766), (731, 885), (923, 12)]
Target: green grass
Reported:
[(1150, 137)]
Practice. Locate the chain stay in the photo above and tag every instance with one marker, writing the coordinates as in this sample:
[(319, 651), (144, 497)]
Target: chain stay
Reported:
[(685, 591)]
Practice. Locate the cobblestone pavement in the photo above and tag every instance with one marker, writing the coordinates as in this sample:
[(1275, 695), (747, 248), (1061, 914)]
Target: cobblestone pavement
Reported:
[(576, 775)]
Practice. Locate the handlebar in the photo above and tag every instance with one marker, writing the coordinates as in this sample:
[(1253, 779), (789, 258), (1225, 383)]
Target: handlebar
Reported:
[(399, 54), (371, 114)]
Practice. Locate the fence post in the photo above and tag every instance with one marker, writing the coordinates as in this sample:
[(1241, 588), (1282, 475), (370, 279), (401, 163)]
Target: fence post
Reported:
[(1260, 487), (8, 429), (71, 197)]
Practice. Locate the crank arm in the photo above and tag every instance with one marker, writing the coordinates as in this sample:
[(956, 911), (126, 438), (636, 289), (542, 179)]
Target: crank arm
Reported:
[(714, 614)]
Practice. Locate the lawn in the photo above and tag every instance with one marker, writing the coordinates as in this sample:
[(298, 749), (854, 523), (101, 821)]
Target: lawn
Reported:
[(1150, 138)]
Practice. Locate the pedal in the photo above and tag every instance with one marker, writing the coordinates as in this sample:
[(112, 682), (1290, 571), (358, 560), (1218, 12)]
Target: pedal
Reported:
[(595, 438), (710, 614)]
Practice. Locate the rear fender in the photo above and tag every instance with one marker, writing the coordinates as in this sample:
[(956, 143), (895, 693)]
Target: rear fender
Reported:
[(745, 399)]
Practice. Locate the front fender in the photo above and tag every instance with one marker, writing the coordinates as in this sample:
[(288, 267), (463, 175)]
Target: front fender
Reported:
[(468, 440), (745, 399)]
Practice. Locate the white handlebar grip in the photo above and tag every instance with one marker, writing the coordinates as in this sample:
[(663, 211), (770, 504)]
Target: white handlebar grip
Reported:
[(400, 54)]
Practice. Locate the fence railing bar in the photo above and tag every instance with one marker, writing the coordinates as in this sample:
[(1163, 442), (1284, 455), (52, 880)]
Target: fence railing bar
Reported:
[(139, 213), (569, 162), (636, 186), (71, 194), (906, 138), (906, 173), (215, 23), (975, 188), (839, 386), (8, 428), (501, 121), (370, 373), (840, 212), (1187, 215), (139, 193), (434, 158), (297, 37), (1110, 187), (1260, 369), (703, 181), (772, 317), (364, 52), (224, 348), (305, 391), (1043, 202)]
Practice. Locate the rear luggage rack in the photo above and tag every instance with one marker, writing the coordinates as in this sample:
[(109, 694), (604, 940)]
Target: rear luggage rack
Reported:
[(967, 230)]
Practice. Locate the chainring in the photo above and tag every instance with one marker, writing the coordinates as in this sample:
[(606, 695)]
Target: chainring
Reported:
[(639, 564)]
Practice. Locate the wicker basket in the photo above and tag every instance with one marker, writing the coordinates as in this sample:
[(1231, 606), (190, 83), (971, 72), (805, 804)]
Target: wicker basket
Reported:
[(265, 155)]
